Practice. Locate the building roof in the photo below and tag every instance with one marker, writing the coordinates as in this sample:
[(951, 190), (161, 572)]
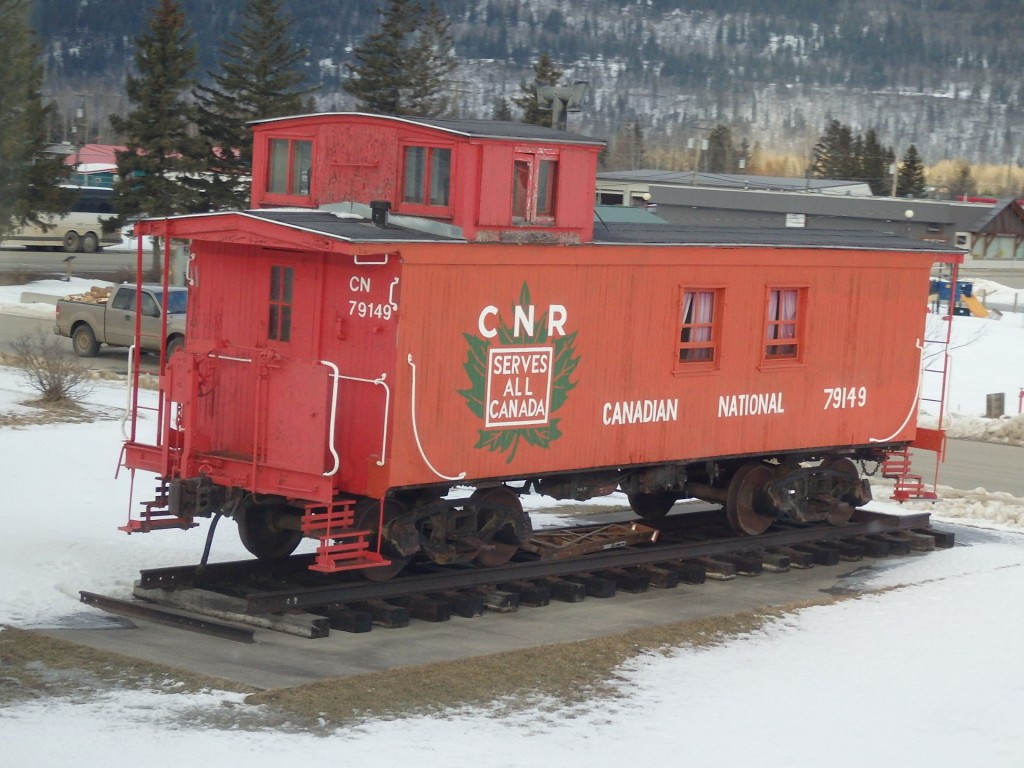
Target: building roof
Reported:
[(738, 181), (960, 215), (1004, 217), (623, 214), (672, 234), (343, 226), (478, 129)]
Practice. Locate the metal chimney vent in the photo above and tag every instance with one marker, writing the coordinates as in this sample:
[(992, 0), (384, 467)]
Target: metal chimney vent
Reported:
[(379, 212)]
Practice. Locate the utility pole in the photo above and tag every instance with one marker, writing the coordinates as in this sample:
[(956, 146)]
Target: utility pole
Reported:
[(699, 144)]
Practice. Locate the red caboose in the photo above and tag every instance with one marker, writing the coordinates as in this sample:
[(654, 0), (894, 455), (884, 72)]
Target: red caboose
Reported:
[(435, 308)]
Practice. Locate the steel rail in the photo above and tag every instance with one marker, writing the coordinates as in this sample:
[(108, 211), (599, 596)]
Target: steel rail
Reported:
[(170, 616), (867, 523)]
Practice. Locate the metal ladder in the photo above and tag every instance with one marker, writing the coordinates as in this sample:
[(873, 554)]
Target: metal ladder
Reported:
[(342, 547)]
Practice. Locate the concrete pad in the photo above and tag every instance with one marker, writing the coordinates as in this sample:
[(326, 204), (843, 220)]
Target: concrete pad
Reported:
[(278, 660)]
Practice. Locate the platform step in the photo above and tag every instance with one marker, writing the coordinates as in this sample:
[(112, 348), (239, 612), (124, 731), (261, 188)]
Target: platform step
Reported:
[(322, 520), (341, 547), (156, 515), (334, 558), (911, 487), (149, 523)]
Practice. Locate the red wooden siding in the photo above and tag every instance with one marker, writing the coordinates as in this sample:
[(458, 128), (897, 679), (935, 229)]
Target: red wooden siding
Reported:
[(362, 158)]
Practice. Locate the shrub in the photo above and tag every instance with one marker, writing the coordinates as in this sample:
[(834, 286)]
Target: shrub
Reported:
[(50, 370)]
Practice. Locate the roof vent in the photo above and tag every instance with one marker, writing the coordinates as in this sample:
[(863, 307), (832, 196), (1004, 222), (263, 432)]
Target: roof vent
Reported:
[(561, 100), (379, 212)]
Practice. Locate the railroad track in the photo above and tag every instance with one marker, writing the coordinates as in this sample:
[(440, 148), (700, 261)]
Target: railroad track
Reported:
[(230, 600)]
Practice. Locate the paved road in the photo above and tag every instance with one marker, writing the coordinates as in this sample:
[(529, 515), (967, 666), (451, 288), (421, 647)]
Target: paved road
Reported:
[(109, 264), (14, 327), (971, 465), (112, 265)]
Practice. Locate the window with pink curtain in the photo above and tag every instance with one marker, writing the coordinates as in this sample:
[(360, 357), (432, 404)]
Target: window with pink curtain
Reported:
[(698, 340), (782, 328)]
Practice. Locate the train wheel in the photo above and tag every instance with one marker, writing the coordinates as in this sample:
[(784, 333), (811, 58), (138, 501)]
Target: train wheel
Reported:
[(841, 511), (385, 572), (261, 529), (740, 505), (651, 506), (175, 344), (495, 551), (368, 517)]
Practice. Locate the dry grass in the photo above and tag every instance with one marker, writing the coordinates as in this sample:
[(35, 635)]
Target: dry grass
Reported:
[(22, 276), (41, 411), (34, 665), (553, 678), (554, 675), (991, 180)]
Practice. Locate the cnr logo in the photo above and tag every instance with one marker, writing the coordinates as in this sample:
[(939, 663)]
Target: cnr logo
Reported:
[(523, 321)]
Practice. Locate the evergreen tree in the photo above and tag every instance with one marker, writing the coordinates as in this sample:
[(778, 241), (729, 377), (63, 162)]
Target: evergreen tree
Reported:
[(544, 73), (28, 180), (910, 181), (378, 76), (502, 110), (833, 154), (258, 79), (962, 183), (841, 154), (875, 161), (720, 156), (401, 68), (429, 62), (747, 162), (160, 169)]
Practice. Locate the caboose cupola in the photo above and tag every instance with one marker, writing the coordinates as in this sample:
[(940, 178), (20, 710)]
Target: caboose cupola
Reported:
[(478, 180)]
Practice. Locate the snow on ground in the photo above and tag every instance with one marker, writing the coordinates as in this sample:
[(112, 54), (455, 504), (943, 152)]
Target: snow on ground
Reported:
[(808, 687)]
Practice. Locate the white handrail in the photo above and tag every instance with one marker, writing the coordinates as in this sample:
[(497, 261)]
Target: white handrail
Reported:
[(391, 293), (130, 380), (416, 431), (357, 260), (380, 381), (191, 270), (334, 415), (913, 406)]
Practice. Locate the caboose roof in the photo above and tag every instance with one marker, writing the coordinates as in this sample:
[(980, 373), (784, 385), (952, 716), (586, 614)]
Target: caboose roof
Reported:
[(475, 129), (624, 233), (305, 228)]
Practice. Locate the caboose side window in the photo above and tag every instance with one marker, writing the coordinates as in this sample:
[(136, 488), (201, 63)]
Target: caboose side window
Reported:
[(291, 164), (534, 188), (280, 320), (783, 325), (698, 335), (427, 176)]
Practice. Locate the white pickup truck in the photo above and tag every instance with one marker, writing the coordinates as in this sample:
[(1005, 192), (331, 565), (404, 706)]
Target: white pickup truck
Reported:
[(108, 317)]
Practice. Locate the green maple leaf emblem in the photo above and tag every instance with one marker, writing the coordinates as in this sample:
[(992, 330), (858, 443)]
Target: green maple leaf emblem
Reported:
[(564, 363)]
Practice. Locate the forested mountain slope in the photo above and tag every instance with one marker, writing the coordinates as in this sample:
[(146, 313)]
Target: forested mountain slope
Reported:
[(943, 74)]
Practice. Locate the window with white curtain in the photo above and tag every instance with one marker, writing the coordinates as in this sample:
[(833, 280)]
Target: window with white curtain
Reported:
[(698, 335), (783, 326)]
